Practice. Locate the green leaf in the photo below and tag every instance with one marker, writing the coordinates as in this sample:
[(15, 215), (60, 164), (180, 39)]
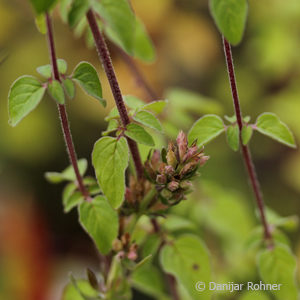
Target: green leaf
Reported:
[(156, 106), (56, 91), (71, 292), (100, 221), (64, 6), (148, 119), (40, 22), (187, 259), (110, 160), (45, 71), (206, 129), (24, 96), (62, 65), (77, 11), (69, 87), (143, 46), (71, 197), (112, 126), (119, 18), (86, 75), (247, 132), (270, 125), (233, 137), (139, 134), (68, 173), (41, 6), (133, 102), (278, 265), (230, 17)]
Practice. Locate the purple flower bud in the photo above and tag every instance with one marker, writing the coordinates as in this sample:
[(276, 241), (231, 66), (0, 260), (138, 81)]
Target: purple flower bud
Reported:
[(173, 186), (169, 170), (182, 144), (190, 153), (188, 167)]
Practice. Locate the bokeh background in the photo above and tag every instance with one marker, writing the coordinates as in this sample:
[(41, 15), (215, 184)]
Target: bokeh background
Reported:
[(39, 244)]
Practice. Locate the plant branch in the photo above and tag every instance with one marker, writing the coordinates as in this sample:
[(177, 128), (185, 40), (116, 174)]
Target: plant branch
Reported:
[(245, 149), (63, 114), (105, 59)]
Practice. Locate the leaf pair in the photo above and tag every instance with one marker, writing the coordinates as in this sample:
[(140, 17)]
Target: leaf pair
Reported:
[(27, 91)]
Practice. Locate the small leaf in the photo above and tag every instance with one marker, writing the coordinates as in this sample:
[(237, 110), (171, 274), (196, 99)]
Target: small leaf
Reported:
[(278, 265), (45, 71), (148, 119), (74, 200), (86, 75), (64, 6), (24, 96), (233, 137), (69, 87), (56, 91), (133, 102), (110, 160), (71, 292), (92, 279), (187, 259), (155, 106), (139, 134), (247, 132), (206, 129), (68, 173), (230, 17), (112, 126), (40, 22), (270, 125), (78, 11), (120, 19), (100, 221), (41, 6), (61, 65), (113, 114)]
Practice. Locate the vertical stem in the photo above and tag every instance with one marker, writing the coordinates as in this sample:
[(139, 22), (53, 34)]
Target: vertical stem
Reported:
[(63, 113), (245, 149), (105, 58)]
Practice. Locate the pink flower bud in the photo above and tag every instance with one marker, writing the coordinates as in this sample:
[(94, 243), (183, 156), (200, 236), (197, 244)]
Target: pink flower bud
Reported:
[(169, 170), (173, 186), (190, 153), (182, 144), (161, 179)]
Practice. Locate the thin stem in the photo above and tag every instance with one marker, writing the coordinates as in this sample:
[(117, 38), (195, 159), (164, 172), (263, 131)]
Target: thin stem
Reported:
[(245, 149), (105, 58), (63, 114), (140, 79)]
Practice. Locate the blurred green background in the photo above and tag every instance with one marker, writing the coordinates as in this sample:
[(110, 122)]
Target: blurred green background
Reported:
[(39, 244)]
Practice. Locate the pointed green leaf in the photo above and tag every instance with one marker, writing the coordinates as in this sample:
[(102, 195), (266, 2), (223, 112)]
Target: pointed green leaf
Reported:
[(247, 132), (64, 6), (110, 160), (41, 6), (69, 87), (148, 119), (56, 91), (78, 11), (86, 75), (269, 124), (113, 125), (71, 197), (278, 265), (45, 71), (156, 106), (71, 292), (24, 96), (187, 259), (119, 18), (139, 134), (233, 137), (133, 102), (206, 129), (230, 17), (100, 221), (68, 173), (40, 22), (62, 65)]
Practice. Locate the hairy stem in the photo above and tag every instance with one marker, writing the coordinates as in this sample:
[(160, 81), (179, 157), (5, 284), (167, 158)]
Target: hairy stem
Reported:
[(63, 114), (245, 149), (105, 58)]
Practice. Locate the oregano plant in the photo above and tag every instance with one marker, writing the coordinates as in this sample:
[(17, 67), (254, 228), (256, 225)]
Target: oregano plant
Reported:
[(142, 208)]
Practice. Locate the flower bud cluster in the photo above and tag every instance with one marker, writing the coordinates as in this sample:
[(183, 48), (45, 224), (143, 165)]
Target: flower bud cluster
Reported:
[(173, 169)]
